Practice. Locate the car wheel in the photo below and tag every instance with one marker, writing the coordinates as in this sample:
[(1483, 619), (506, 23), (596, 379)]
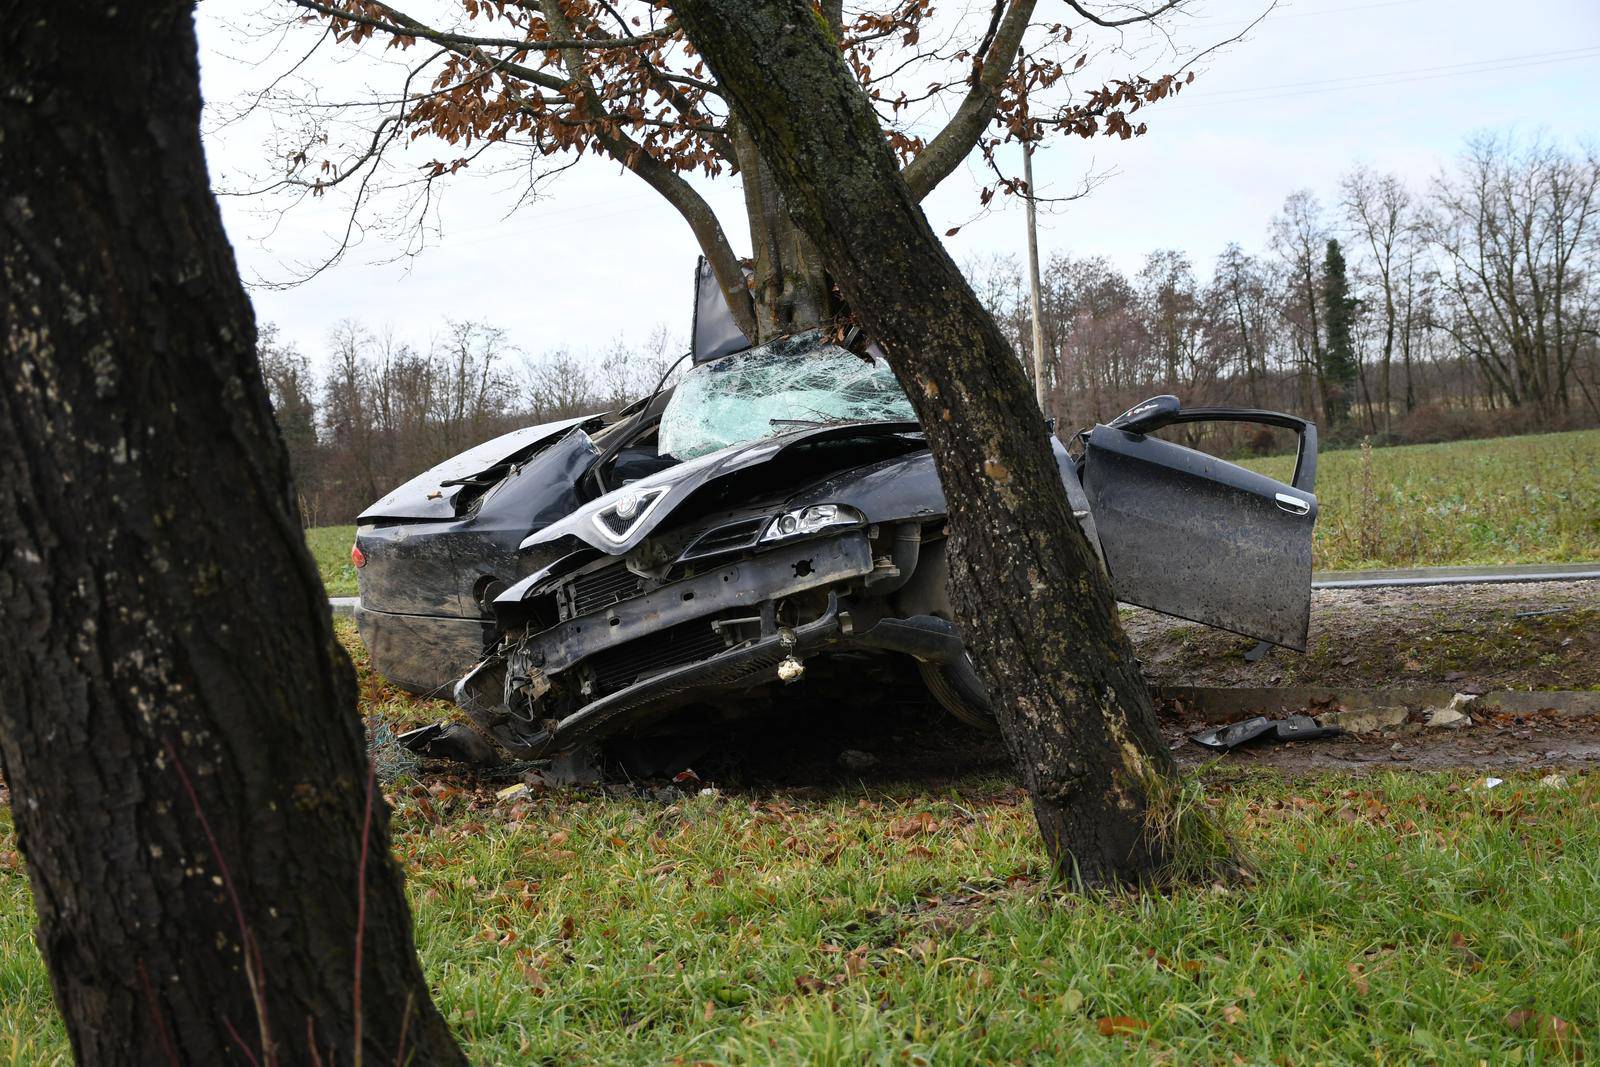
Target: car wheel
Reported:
[(959, 690)]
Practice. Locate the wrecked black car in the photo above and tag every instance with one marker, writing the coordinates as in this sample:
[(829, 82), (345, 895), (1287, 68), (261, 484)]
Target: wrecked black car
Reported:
[(774, 518)]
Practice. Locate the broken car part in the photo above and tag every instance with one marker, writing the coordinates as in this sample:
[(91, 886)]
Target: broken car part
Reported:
[(1291, 728)]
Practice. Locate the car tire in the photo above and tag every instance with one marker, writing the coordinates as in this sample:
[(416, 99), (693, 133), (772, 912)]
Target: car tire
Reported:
[(959, 690)]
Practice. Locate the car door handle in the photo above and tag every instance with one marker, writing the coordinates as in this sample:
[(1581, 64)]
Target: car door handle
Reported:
[(1293, 504)]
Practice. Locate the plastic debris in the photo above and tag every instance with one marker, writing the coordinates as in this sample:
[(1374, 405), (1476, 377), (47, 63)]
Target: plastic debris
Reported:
[(1290, 728), (1490, 783), (1452, 716)]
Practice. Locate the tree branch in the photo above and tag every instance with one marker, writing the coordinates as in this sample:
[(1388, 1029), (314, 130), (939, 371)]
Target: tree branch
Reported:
[(664, 180), (1143, 16), (405, 26), (952, 143)]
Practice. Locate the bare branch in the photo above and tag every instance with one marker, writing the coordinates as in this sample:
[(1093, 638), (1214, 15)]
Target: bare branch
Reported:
[(1142, 16), (404, 26), (950, 146)]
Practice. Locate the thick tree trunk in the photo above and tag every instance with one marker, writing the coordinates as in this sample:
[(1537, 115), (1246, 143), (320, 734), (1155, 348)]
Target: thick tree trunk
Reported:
[(209, 859), (790, 290), (1034, 604)]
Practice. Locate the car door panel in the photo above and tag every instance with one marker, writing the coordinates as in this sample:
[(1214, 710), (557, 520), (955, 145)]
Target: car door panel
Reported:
[(1187, 534)]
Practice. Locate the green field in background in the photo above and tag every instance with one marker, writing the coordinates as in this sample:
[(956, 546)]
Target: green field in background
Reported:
[(1529, 499), (331, 546)]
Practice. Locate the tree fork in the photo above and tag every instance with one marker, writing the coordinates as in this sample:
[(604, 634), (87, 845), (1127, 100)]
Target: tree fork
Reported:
[(1035, 606), (209, 857)]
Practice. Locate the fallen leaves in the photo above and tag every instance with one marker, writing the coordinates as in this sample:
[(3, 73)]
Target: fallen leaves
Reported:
[(1463, 950), (1120, 1025), (1551, 1031), (1358, 978)]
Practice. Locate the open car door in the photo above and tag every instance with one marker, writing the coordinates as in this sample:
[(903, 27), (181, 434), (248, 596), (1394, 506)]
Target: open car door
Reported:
[(1191, 535)]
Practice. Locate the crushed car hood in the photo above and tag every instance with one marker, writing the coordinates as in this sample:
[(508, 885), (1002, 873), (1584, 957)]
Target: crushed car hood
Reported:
[(427, 498), (684, 480)]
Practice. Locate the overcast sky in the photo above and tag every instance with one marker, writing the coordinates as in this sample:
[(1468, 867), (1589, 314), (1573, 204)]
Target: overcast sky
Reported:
[(1319, 86)]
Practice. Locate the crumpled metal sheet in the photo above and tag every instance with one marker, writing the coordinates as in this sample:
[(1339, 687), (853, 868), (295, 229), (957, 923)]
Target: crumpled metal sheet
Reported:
[(779, 387)]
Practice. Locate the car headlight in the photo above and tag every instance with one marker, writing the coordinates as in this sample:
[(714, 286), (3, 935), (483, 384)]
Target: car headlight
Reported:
[(619, 518), (809, 520)]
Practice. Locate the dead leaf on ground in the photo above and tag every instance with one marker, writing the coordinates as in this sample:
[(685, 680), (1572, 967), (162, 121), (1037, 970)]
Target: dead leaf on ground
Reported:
[(1115, 1025), (1459, 945), (1551, 1030), (806, 983), (1233, 1015)]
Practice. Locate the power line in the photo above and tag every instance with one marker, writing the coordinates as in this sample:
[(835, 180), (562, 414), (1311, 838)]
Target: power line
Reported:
[(1564, 53), (1381, 80)]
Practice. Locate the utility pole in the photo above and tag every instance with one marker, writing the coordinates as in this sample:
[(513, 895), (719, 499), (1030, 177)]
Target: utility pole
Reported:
[(1033, 278)]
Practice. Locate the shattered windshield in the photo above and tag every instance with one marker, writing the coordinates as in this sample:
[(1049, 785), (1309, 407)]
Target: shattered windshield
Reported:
[(783, 386)]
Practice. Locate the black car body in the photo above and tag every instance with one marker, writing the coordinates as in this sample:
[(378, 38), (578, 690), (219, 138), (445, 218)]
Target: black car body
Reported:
[(587, 579)]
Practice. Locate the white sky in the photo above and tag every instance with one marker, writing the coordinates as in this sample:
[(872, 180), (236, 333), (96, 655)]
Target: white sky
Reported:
[(1320, 85)]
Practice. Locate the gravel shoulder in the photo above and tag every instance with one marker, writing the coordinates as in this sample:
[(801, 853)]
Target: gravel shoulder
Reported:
[(1534, 635)]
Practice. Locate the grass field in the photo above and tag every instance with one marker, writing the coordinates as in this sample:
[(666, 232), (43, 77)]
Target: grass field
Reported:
[(331, 546), (1504, 500), (1393, 918)]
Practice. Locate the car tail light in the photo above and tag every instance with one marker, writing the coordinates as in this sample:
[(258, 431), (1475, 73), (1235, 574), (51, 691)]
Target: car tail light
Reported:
[(358, 557)]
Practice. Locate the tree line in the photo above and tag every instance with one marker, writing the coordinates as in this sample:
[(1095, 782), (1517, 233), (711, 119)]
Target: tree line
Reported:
[(383, 409), (1465, 306)]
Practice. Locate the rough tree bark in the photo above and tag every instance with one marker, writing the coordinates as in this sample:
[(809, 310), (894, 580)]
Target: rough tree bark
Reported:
[(1034, 604), (209, 858)]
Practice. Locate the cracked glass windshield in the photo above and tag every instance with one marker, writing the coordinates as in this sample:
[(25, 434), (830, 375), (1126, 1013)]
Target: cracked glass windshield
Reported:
[(787, 385)]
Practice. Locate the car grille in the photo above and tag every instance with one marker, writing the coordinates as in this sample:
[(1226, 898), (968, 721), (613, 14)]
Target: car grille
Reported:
[(734, 535), (602, 588), (689, 642)]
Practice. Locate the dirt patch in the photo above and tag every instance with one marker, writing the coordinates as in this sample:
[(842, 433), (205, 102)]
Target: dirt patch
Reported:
[(1537, 635)]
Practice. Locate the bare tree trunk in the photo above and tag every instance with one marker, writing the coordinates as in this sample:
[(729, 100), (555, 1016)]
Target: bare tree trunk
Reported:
[(1034, 604), (209, 859)]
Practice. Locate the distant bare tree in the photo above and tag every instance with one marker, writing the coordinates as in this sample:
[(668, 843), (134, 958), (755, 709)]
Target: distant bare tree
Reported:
[(556, 385), (290, 384), (1515, 229), (1380, 212), (1299, 238)]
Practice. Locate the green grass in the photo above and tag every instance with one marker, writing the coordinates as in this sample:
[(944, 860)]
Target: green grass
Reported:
[(331, 547), (1503, 500), (1399, 917)]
